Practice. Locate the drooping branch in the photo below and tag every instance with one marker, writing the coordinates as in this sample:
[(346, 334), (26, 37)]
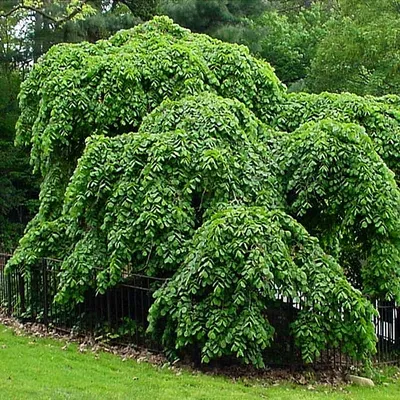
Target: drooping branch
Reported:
[(28, 8), (57, 21)]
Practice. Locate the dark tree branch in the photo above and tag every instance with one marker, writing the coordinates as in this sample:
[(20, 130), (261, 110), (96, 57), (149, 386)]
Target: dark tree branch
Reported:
[(56, 21), (28, 8), (72, 14)]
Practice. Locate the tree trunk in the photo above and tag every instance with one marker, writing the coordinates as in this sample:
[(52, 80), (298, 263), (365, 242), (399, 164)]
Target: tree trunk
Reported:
[(37, 37)]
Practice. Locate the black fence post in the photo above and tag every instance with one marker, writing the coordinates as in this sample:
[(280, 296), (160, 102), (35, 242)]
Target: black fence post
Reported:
[(9, 289), (22, 292), (45, 305), (396, 328), (108, 308)]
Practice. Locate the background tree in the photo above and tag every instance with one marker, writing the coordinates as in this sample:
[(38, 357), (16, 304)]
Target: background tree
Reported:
[(360, 52), (18, 187), (336, 45), (287, 41), (285, 34)]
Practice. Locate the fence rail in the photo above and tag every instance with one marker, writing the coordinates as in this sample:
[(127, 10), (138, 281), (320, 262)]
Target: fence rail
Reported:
[(121, 314)]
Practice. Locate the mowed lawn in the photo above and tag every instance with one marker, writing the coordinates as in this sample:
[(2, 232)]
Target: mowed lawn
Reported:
[(32, 368)]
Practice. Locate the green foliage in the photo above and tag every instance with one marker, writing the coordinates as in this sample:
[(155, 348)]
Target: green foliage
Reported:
[(246, 8), (107, 88), (206, 16), (366, 9), (157, 155), (144, 9), (287, 42), (317, 45), (338, 187), (238, 262), (379, 116), (138, 198), (96, 27), (110, 86), (360, 52), (334, 45)]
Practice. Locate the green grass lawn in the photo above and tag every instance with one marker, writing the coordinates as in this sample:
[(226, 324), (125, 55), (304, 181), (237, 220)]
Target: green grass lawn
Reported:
[(32, 368)]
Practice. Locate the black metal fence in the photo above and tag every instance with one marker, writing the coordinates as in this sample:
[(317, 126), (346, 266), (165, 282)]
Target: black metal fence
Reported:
[(284, 351), (120, 315)]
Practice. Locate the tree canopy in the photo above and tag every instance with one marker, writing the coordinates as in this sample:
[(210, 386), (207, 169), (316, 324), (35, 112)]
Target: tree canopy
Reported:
[(184, 157)]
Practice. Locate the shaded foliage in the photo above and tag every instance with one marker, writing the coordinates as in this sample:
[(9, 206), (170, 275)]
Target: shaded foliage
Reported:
[(360, 52), (288, 42), (18, 186), (238, 262)]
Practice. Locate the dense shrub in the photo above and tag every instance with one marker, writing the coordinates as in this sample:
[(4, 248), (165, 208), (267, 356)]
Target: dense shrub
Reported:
[(160, 151), (237, 264), (138, 198)]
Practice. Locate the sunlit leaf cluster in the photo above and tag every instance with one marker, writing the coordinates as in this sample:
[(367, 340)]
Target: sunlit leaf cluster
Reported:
[(380, 116)]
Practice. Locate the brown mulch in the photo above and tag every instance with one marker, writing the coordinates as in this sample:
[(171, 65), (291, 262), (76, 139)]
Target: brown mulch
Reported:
[(86, 343), (275, 376), (246, 374)]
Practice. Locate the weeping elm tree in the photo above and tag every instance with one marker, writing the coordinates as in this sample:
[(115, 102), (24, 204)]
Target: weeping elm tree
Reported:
[(184, 157)]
